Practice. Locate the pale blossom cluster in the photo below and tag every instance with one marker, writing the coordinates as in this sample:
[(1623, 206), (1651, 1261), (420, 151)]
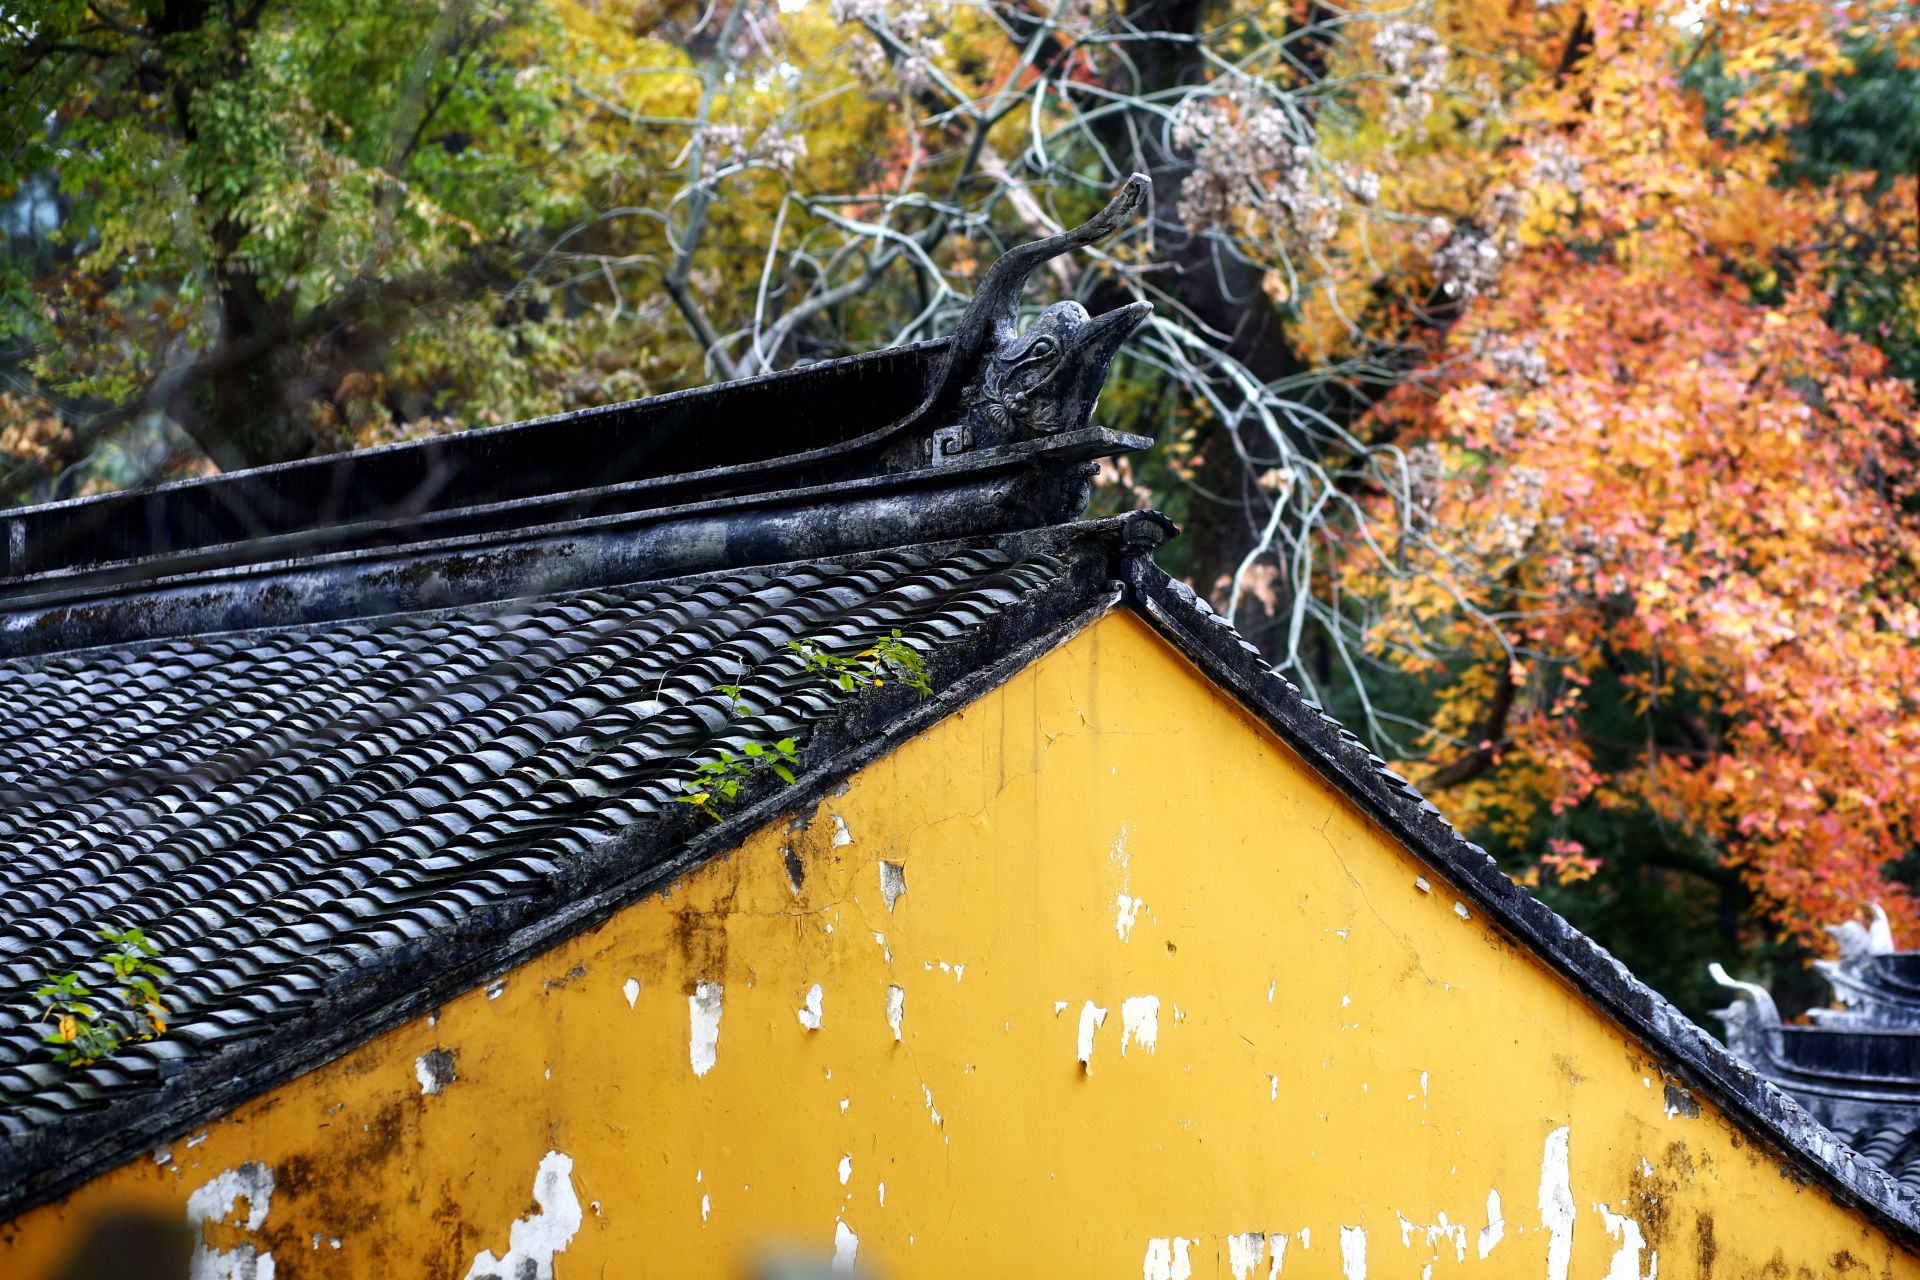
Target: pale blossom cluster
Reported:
[(1249, 153), (1513, 525), (775, 146), (1555, 164), (1467, 263), (1416, 59), (1518, 361), (913, 28), (1426, 472), (1467, 257)]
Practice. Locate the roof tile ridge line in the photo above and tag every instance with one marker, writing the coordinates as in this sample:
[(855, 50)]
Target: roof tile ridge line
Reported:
[(222, 1082), (932, 347), (1041, 539), (1743, 1094), (1017, 457)]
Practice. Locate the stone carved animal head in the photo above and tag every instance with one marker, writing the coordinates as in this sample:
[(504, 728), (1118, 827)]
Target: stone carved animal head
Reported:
[(1004, 385), (1047, 379)]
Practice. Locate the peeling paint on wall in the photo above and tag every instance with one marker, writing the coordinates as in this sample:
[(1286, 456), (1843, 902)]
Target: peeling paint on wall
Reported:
[(1244, 1252), (893, 882), (703, 1009), (846, 1245), (1556, 1204), (1436, 1233), (1168, 1259), (809, 1013), (1626, 1259), (533, 1241), (1353, 1253), (631, 990), (841, 836), (1123, 921), (1496, 1226), (1092, 1018), (213, 1203), (1139, 1022), (896, 1008), (434, 1070)]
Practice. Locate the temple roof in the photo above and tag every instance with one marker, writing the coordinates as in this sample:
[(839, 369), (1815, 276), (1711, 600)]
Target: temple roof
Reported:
[(1856, 1065)]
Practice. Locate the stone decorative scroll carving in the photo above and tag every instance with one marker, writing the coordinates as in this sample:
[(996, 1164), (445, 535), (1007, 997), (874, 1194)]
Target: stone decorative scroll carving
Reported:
[(1002, 385), (1753, 1024)]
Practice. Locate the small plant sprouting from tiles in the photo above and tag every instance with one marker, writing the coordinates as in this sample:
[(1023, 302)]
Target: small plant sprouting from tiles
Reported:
[(889, 658), (715, 784), (86, 1028)]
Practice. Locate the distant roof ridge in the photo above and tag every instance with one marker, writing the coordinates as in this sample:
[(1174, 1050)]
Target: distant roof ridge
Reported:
[(1856, 1066)]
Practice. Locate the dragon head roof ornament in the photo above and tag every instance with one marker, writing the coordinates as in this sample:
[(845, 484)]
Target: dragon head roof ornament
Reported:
[(1002, 385)]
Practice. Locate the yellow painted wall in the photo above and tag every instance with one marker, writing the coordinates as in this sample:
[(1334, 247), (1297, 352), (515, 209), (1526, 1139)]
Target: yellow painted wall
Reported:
[(1338, 1055)]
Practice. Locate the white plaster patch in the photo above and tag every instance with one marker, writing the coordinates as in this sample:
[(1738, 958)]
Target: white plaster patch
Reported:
[(1244, 1252), (1556, 1204), (1626, 1259), (846, 1169), (840, 833), (495, 988), (1496, 1225), (883, 1195), (1059, 1007), (706, 1207), (1123, 921), (1460, 909), (1168, 1259), (1278, 1246), (1092, 1018), (631, 990), (893, 882), (214, 1202), (703, 1011), (845, 1246), (931, 1109), (896, 1008), (1353, 1253), (809, 1014), (1420, 883), (886, 952), (533, 1241), (1139, 1022), (1423, 1093)]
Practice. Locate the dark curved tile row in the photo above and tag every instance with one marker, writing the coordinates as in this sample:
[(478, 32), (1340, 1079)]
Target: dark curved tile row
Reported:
[(276, 807), (1892, 1142)]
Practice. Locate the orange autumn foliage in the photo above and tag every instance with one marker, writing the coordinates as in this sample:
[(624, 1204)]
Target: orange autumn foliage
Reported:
[(1647, 455)]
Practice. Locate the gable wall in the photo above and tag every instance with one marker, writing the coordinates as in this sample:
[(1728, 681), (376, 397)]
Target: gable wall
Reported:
[(1299, 1043)]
